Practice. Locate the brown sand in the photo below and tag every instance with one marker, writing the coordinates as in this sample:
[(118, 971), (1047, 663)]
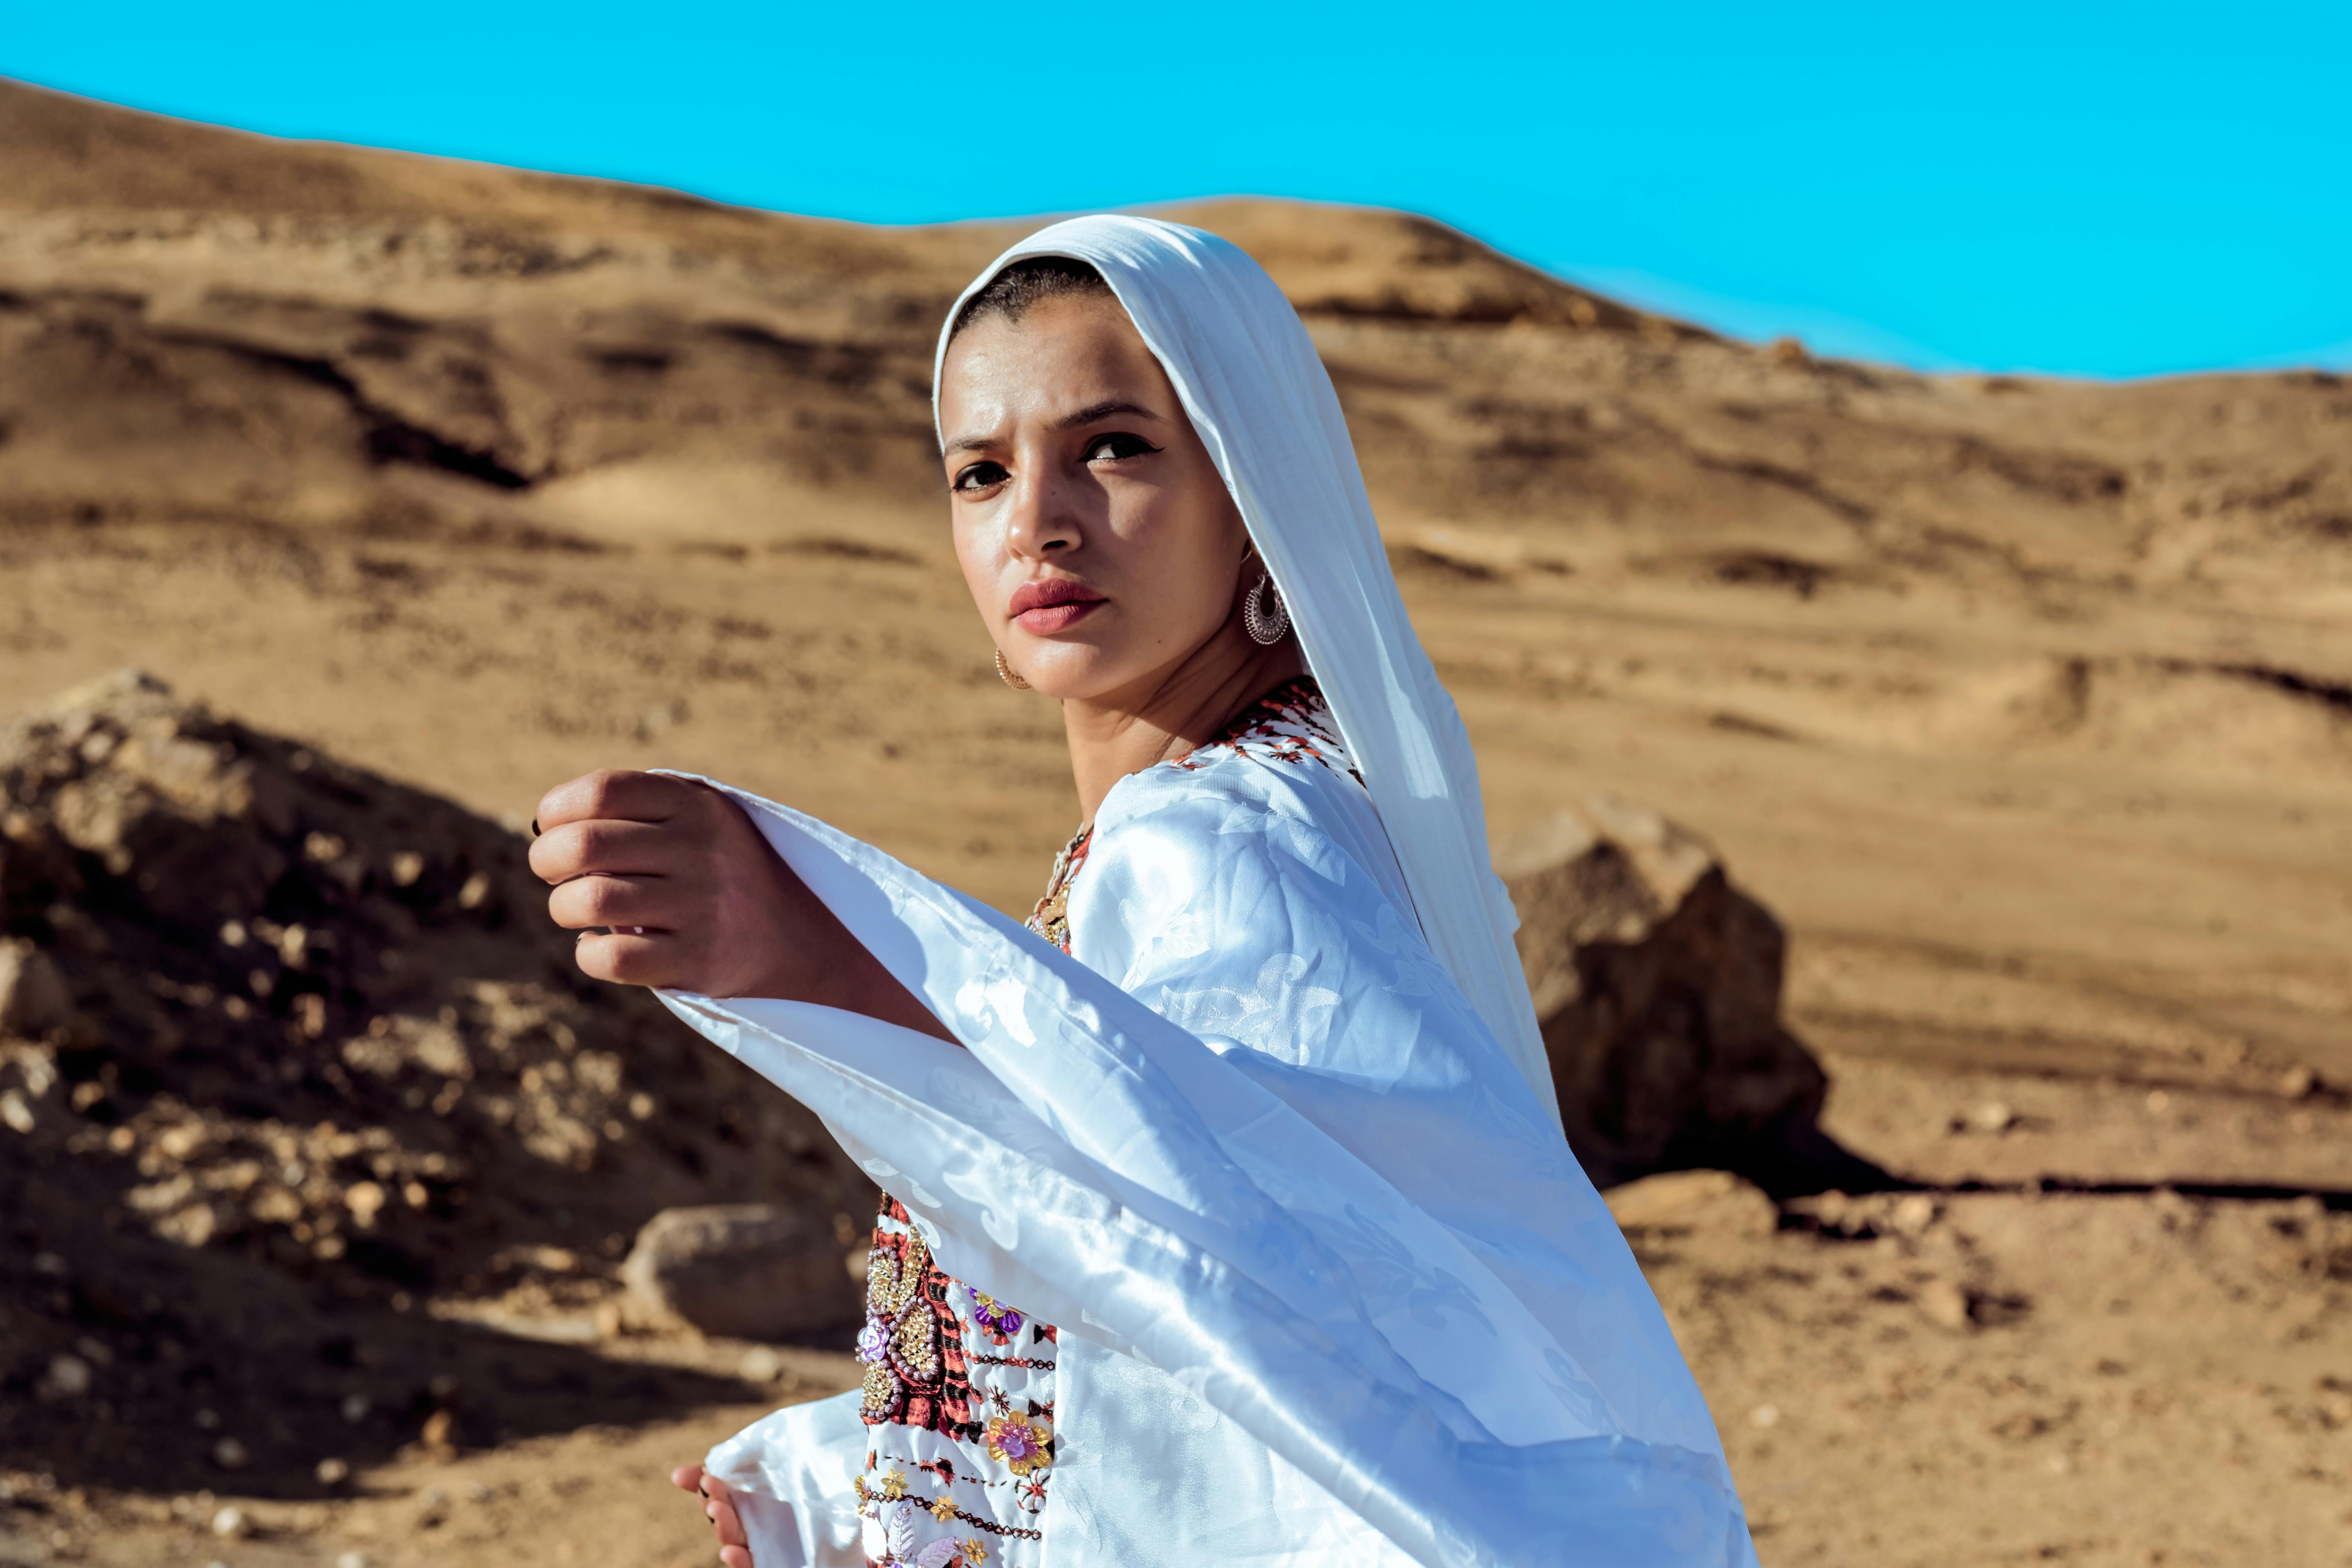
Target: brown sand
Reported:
[(2026, 704)]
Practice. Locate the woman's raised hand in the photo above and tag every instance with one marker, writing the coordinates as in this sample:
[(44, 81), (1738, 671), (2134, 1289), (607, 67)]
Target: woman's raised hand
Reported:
[(726, 1524), (671, 885)]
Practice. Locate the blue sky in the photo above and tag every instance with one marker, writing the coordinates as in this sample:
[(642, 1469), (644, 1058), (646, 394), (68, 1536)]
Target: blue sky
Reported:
[(2093, 189)]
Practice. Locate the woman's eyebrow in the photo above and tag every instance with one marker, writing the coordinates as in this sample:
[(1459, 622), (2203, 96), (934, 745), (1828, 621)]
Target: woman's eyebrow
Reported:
[(1094, 411), (1087, 415)]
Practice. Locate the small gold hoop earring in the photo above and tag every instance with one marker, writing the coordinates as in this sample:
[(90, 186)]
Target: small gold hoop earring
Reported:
[(1007, 674)]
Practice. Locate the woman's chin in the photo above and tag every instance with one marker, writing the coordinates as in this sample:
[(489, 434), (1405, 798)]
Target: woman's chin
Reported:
[(1069, 672)]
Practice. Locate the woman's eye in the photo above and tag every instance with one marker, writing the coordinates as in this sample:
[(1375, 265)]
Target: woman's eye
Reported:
[(1117, 444), (979, 477)]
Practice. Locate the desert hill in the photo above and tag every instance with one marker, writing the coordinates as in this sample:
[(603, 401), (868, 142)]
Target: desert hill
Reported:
[(2026, 704)]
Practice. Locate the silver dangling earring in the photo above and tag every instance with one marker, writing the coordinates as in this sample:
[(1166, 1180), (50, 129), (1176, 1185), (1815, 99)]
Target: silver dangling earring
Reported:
[(1007, 674), (1265, 626)]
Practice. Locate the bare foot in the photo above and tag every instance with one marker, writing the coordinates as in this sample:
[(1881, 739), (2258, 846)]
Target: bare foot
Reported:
[(718, 1507)]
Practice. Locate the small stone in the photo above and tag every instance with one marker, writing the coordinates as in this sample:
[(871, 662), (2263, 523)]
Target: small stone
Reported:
[(2297, 1082), (332, 1472), (33, 995), (1992, 1116), (229, 1523), (48, 1265), (16, 1113), (355, 1408), (1946, 1305), (477, 1492), (366, 1200), (2158, 1102), (208, 1420), (1914, 1213), (1764, 1415), (760, 1365), (231, 1455), (475, 892), (350, 1559), (68, 1377)]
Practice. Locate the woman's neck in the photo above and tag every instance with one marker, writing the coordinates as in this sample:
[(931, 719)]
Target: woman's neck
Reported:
[(1176, 712)]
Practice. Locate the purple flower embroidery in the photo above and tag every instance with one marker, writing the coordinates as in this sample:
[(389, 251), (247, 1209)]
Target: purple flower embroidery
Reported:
[(873, 1340), (993, 1315)]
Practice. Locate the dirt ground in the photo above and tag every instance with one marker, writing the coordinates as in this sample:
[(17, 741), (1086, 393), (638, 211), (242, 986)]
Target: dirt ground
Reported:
[(2026, 706)]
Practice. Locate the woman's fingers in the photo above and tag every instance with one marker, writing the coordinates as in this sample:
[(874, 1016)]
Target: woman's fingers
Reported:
[(728, 1522), (718, 1507), (602, 901), (610, 847), (637, 958), (616, 793)]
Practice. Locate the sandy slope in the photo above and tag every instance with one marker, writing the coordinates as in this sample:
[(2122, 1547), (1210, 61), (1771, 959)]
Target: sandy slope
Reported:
[(2027, 704)]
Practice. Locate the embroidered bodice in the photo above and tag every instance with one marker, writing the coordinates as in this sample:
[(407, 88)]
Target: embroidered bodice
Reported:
[(958, 1394)]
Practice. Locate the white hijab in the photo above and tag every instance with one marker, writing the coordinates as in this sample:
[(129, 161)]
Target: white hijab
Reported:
[(1258, 393)]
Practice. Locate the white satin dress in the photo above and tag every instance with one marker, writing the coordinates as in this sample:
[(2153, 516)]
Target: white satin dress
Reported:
[(1326, 1284)]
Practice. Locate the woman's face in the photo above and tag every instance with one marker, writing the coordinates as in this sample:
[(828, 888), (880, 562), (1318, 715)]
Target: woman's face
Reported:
[(1097, 539)]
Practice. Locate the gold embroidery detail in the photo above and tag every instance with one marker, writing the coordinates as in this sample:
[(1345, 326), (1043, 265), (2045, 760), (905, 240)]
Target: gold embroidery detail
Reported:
[(1050, 917), (1019, 1443), (891, 1286)]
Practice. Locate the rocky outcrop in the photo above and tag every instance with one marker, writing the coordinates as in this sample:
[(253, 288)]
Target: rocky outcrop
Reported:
[(1657, 983), (274, 1028)]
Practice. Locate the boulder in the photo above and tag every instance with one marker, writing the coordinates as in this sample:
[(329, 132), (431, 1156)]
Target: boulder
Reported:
[(748, 1271), (1657, 984), (1677, 1201)]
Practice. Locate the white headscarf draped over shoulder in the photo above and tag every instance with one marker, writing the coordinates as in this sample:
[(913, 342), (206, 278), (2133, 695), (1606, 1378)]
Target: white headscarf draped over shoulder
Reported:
[(1258, 394)]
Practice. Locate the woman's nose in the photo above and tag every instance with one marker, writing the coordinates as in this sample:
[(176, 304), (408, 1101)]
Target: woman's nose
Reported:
[(1041, 520)]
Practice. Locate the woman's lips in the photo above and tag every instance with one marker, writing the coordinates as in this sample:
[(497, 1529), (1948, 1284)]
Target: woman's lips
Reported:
[(1055, 605)]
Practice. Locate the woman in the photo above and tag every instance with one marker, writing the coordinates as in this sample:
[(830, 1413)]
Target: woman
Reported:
[(1255, 1116)]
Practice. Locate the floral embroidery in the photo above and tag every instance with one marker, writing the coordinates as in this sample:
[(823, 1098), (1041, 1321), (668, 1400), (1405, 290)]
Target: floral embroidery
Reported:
[(912, 1345), (1002, 1321), (892, 1530), (1021, 1443), (1289, 724), (975, 1550), (942, 1361)]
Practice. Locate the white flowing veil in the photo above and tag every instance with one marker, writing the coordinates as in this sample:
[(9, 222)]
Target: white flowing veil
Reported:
[(1257, 392)]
